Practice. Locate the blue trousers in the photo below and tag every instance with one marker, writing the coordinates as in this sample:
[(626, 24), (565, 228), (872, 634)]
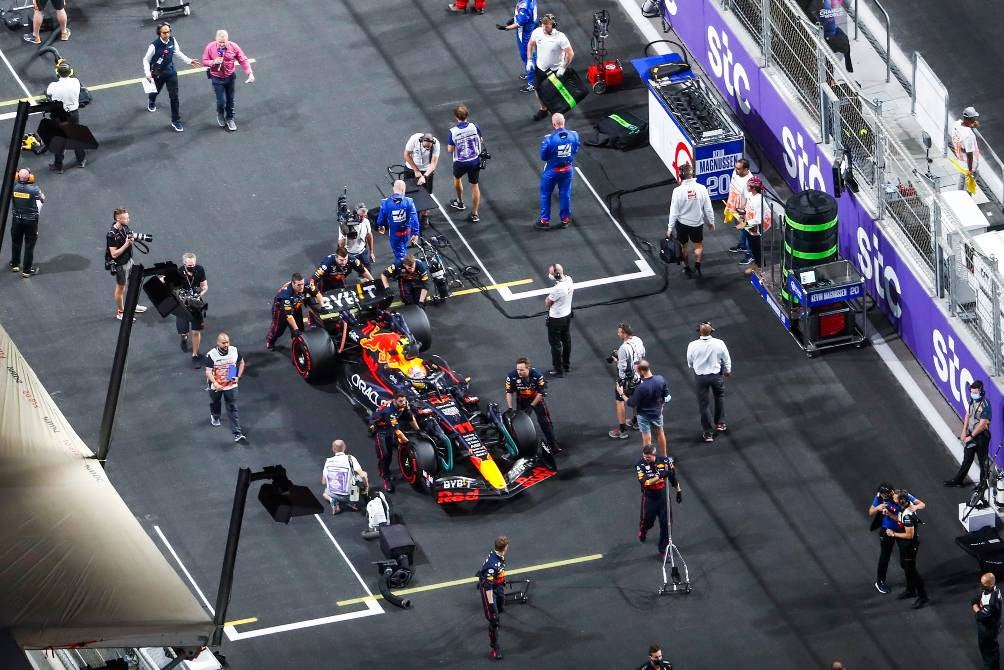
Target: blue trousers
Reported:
[(400, 250), (548, 180), (224, 90), (522, 45)]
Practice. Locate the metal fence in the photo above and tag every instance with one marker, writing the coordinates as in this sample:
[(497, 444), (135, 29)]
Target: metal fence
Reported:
[(794, 45)]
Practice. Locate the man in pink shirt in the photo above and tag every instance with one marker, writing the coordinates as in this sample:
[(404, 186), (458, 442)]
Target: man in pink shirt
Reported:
[(221, 57)]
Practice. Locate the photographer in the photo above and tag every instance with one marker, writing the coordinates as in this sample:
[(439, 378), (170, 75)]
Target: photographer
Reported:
[(192, 294), (26, 199), (224, 368), (975, 435), (648, 401), (355, 235), (118, 257), (630, 351), (655, 660)]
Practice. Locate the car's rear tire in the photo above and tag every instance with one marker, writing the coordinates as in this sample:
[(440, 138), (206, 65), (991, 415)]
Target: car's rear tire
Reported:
[(416, 457), (418, 323), (314, 355), (523, 432)]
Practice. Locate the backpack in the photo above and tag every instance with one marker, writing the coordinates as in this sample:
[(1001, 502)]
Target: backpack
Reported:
[(622, 130)]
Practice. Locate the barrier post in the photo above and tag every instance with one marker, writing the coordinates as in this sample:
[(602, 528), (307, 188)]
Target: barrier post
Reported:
[(880, 141), (939, 251), (765, 47), (995, 305)]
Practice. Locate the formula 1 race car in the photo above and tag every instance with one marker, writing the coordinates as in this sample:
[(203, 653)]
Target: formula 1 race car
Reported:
[(372, 352)]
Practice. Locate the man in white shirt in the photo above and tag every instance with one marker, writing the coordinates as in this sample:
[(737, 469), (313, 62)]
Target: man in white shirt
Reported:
[(224, 368), (559, 320), (735, 206), (421, 154), (66, 90), (964, 144), (356, 236), (338, 476), (709, 358), (689, 209), (553, 52)]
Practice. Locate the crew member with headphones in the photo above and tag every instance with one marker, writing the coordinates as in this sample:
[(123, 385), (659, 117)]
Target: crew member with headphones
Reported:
[(67, 91), (26, 199), (559, 320), (421, 155), (557, 150), (399, 219), (709, 358), (548, 50), (158, 68)]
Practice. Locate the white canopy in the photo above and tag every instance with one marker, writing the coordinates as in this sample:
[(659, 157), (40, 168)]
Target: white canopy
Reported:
[(76, 568)]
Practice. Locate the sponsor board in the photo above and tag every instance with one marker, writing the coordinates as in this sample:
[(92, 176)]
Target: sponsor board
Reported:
[(766, 115)]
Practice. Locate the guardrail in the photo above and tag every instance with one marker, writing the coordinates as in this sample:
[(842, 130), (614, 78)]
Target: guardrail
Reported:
[(794, 46)]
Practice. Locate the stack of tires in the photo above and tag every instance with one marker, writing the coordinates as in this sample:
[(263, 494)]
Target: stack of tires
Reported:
[(810, 233)]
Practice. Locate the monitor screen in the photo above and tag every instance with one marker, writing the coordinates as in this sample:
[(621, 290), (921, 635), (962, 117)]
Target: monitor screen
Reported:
[(807, 277)]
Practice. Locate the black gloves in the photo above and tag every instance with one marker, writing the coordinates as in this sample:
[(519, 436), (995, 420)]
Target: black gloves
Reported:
[(504, 26), (296, 333), (679, 496), (500, 26)]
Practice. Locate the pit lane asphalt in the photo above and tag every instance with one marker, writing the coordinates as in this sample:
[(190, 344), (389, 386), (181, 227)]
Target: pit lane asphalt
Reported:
[(772, 524)]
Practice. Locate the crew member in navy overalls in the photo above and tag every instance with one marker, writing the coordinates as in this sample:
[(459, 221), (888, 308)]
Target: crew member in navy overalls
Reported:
[(287, 309), (653, 471), (523, 21), (491, 585), (558, 151), (386, 427), (412, 277), (399, 219), (525, 388), (334, 269), (158, 67)]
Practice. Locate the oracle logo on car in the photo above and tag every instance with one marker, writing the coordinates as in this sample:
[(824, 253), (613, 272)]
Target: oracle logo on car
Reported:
[(732, 74), (946, 364), (884, 279), (366, 389)]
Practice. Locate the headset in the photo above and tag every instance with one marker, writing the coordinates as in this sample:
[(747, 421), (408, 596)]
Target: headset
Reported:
[(164, 24), (556, 271), (705, 323), (29, 180), (63, 65), (549, 17)]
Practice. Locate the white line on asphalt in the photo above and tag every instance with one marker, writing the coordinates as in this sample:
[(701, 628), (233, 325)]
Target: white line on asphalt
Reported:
[(20, 83), (503, 290), (187, 574)]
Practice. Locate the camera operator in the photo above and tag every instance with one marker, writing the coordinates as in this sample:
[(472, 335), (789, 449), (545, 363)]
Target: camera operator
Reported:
[(491, 586), (355, 235), (26, 199), (626, 357), (655, 660), (525, 388), (975, 435), (653, 471), (192, 293), (412, 277), (287, 309), (66, 90), (118, 257)]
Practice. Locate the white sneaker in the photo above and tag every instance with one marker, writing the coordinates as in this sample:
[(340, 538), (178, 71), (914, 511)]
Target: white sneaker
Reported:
[(214, 420), (140, 309)]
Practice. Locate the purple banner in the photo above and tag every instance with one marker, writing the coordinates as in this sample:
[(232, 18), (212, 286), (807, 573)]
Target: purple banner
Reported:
[(765, 113)]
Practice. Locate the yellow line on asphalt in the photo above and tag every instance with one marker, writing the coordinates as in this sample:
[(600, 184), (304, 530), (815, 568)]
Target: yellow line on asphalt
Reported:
[(116, 84), (494, 287), (241, 622), (472, 580)]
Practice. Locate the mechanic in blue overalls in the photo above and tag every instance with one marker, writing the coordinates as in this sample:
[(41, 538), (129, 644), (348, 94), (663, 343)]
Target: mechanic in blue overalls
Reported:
[(557, 150), (399, 219), (287, 309), (523, 21), (412, 277), (491, 585), (386, 427)]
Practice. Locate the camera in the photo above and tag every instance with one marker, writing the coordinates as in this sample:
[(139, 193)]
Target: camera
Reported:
[(612, 358), (344, 215), (141, 237), (484, 157)]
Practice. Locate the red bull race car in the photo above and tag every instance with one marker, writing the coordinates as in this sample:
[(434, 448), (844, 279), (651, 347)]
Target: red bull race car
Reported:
[(371, 351)]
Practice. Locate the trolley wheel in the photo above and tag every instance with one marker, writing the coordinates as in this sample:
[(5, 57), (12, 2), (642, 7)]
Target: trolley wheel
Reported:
[(599, 87), (809, 354), (156, 14), (188, 10)]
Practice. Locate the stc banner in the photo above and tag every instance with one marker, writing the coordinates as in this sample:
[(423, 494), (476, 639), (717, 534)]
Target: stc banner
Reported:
[(765, 113)]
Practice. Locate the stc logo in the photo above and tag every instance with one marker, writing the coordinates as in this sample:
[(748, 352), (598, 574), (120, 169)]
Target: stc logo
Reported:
[(946, 364), (884, 279), (671, 7), (734, 76), (796, 161)]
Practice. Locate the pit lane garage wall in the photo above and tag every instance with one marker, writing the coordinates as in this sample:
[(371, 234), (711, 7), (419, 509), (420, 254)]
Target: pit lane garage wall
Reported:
[(894, 279), (78, 569)]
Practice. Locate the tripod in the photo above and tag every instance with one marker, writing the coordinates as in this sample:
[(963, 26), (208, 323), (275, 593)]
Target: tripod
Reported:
[(680, 583)]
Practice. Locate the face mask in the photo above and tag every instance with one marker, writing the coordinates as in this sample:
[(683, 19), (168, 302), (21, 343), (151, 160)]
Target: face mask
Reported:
[(974, 396)]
